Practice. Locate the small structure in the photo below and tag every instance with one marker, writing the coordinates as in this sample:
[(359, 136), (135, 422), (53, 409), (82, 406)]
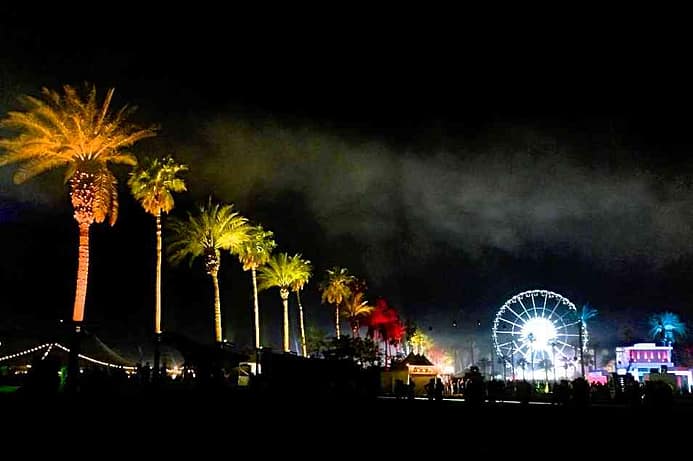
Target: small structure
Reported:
[(416, 369), (647, 360)]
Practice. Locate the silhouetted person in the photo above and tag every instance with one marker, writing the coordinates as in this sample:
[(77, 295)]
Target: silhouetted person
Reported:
[(439, 389), (430, 388), (474, 387), (581, 392)]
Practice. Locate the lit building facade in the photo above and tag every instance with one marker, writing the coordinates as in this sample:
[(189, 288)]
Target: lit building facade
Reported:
[(642, 358)]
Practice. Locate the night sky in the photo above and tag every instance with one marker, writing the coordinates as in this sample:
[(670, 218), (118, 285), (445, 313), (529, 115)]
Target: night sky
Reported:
[(450, 172)]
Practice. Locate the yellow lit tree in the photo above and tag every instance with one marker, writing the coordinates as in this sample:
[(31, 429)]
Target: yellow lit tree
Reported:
[(336, 289), (281, 271), (82, 135), (303, 274), (217, 227), (421, 343), (355, 307), (253, 254), (152, 185)]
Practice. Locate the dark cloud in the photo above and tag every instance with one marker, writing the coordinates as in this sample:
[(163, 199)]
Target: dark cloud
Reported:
[(503, 197)]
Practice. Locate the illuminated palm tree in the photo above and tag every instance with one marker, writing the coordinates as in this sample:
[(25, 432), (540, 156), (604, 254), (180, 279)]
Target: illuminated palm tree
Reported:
[(355, 307), (304, 272), (83, 136), (420, 342), (217, 227), (585, 314), (336, 289), (253, 254), (283, 272), (152, 186), (667, 327)]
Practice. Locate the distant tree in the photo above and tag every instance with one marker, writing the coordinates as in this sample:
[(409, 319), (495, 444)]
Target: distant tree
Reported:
[(281, 271), (421, 343), (336, 289), (586, 313), (667, 328), (316, 341), (356, 308)]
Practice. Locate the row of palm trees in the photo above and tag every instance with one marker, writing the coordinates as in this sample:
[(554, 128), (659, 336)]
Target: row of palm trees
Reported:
[(85, 136)]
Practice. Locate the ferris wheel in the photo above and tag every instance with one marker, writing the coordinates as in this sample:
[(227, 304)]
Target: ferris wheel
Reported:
[(539, 331)]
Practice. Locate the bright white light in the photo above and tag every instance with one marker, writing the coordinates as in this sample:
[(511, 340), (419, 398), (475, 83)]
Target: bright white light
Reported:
[(538, 332)]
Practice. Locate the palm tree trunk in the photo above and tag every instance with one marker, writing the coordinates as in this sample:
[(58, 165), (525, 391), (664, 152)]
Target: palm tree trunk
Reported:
[(303, 330), (354, 329), (217, 308), (336, 321), (78, 310), (157, 300), (582, 358), (256, 309), (157, 305), (285, 301), (82, 273)]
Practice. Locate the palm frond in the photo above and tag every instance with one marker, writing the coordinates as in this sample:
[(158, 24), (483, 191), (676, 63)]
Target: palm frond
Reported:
[(153, 183), (257, 250), (59, 129), (280, 271), (216, 227)]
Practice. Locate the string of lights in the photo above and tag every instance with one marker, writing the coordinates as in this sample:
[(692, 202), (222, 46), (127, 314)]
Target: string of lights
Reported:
[(49, 346)]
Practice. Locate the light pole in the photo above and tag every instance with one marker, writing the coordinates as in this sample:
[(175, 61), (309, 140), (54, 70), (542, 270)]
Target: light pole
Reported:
[(553, 358), (531, 338)]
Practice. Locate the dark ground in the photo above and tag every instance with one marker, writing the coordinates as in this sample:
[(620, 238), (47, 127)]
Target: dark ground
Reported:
[(238, 424)]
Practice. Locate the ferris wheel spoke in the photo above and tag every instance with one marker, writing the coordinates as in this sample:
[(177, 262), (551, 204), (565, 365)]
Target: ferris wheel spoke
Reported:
[(564, 343), (543, 308), (516, 314), (523, 307), (554, 307), (534, 306), (511, 323)]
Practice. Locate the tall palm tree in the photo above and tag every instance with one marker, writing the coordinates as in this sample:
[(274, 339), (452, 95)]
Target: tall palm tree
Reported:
[(304, 272), (253, 254), (281, 271), (667, 327), (355, 308), (217, 227), (585, 314), (84, 136), (152, 185), (336, 289)]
